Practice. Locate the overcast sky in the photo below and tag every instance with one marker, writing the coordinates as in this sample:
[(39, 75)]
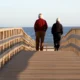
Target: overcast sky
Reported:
[(23, 13)]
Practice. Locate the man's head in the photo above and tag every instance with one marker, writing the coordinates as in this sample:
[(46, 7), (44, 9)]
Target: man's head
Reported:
[(40, 15), (58, 20)]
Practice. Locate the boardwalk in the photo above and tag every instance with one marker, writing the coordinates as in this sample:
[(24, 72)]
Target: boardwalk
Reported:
[(46, 65)]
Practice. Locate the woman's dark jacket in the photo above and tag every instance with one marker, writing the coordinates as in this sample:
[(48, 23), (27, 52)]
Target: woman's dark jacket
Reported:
[(57, 28)]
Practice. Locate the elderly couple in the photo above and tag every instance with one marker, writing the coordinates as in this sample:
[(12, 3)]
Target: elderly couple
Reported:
[(40, 28)]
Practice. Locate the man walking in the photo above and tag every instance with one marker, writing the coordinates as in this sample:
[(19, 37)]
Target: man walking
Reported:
[(57, 31), (40, 28)]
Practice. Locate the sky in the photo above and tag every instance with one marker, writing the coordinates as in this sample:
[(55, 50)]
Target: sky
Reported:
[(23, 13)]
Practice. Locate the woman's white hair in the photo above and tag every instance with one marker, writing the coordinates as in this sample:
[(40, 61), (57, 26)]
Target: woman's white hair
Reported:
[(40, 15), (58, 19)]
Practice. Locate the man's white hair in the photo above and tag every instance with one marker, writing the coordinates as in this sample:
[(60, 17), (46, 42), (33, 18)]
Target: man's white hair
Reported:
[(40, 15)]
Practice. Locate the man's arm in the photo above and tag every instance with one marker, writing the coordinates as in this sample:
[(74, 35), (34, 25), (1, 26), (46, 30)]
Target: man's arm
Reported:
[(35, 26)]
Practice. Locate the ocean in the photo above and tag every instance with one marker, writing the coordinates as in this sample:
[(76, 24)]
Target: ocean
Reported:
[(48, 37)]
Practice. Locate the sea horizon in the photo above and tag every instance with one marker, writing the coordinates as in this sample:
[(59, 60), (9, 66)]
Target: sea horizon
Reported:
[(48, 37)]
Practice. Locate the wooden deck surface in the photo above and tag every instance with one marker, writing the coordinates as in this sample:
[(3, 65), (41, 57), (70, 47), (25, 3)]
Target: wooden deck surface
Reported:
[(46, 65)]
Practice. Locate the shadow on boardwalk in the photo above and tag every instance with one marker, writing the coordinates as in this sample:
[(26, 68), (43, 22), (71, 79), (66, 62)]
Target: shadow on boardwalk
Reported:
[(17, 65)]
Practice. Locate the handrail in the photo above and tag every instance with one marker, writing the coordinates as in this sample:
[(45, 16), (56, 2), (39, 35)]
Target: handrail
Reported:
[(46, 47), (19, 35), (71, 41), (71, 45), (71, 36), (10, 46), (10, 39), (70, 31)]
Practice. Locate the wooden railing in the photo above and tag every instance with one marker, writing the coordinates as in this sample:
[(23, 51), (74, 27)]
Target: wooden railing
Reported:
[(71, 41), (12, 41), (48, 47)]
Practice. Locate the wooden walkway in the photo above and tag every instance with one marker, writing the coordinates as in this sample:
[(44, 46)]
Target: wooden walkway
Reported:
[(46, 65)]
